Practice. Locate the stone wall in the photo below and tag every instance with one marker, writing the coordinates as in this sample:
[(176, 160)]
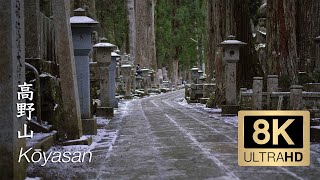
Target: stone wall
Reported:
[(281, 101), (48, 68)]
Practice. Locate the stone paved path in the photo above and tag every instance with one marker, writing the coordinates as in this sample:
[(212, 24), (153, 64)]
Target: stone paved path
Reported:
[(161, 139)]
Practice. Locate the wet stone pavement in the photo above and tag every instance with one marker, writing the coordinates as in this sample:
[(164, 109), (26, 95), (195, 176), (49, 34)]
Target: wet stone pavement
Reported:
[(159, 137)]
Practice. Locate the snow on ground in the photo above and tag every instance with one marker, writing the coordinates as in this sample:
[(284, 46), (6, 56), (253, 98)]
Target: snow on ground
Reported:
[(213, 113), (101, 143), (33, 178), (104, 138), (38, 137), (197, 106), (315, 127)]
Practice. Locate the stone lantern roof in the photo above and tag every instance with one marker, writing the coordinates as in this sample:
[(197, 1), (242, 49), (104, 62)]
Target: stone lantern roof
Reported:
[(231, 41), (104, 44), (81, 19), (194, 68), (114, 54)]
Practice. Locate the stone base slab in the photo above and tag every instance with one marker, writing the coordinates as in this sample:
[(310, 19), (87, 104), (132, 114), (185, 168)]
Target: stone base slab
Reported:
[(230, 110), (104, 112), (89, 126), (85, 141)]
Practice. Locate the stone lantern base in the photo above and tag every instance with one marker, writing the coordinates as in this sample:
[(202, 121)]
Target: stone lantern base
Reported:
[(104, 112), (89, 126), (230, 110)]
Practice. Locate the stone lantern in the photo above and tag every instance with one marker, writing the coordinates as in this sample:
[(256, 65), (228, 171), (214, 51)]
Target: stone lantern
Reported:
[(126, 73), (81, 26), (231, 57), (145, 73), (153, 79), (194, 75), (103, 57), (112, 78)]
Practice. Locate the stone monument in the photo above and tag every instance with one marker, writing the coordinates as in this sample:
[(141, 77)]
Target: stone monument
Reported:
[(81, 26), (103, 54), (231, 57), (112, 79), (12, 68)]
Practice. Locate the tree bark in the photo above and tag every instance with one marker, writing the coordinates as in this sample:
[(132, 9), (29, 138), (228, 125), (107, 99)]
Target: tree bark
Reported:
[(308, 27), (145, 35), (132, 29), (247, 66), (217, 30), (281, 41)]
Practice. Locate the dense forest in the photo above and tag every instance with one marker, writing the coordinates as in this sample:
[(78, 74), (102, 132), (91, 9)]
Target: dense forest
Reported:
[(180, 34)]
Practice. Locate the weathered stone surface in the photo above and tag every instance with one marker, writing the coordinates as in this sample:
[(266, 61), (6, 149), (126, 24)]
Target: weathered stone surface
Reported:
[(72, 125), (296, 99), (81, 26), (104, 89), (208, 90), (257, 93), (145, 73), (272, 86), (231, 88), (112, 82), (32, 24), (89, 126), (231, 110), (194, 75), (107, 72), (104, 112), (186, 91), (126, 73), (51, 101), (312, 87), (85, 141), (196, 91), (12, 68)]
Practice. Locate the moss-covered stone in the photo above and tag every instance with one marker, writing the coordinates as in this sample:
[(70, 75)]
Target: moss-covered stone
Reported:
[(51, 100)]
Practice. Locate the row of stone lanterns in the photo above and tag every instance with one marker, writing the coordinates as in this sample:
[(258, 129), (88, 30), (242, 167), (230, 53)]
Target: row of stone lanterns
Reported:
[(231, 57)]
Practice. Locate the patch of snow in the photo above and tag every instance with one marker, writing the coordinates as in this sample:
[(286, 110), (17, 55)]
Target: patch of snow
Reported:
[(38, 137), (233, 120), (55, 107), (315, 127), (84, 137), (102, 121), (33, 178), (46, 75)]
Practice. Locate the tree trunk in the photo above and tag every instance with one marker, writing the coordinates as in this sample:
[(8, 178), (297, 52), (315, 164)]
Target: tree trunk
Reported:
[(247, 66), (217, 25), (145, 36), (153, 54), (174, 65), (132, 29), (281, 41), (308, 27)]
